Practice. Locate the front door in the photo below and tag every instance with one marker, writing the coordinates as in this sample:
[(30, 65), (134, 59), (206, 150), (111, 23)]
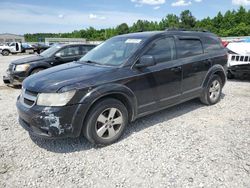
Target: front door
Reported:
[(68, 54), (163, 79)]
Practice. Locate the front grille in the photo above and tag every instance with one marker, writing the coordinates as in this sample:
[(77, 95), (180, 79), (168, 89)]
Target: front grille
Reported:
[(240, 58), (28, 97)]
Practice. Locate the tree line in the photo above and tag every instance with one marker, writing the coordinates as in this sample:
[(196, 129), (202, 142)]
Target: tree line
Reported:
[(232, 23)]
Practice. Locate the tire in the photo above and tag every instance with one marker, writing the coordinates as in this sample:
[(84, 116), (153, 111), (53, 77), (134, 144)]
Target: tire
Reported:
[(99, 128), (5, 52), (36, 70), (212, 93), (230, 75)]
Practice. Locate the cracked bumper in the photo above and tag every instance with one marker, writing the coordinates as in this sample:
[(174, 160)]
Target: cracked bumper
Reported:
[(13, 79), (50, 122)]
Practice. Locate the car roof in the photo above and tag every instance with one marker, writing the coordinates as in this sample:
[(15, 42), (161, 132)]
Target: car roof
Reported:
[(149, 34), (80, 44)]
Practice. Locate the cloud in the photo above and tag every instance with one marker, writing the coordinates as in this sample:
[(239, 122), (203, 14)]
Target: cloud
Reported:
[(156, 8), (241, 2), (94, 16), (149, 2), (198, 1), (61, 16), (31, 18), (180, 3)]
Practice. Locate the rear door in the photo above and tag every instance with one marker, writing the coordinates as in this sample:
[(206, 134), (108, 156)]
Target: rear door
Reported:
[(194, 65)]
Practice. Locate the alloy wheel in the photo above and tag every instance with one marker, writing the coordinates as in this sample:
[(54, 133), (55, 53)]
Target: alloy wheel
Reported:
[(109, 123), (214, 90)]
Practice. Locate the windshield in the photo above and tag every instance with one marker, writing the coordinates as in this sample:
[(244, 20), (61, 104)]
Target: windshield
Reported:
[(49, 52), (113, 52)]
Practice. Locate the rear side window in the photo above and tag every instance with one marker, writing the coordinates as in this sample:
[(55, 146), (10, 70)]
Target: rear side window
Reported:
[(163, 50), (189, 47), (211, 44)]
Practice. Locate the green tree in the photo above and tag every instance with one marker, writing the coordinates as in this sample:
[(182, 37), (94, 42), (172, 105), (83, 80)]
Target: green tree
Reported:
[(187, 19), (122, 29)]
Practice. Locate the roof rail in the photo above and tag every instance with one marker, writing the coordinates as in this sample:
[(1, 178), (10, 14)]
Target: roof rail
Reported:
[(183, 29)]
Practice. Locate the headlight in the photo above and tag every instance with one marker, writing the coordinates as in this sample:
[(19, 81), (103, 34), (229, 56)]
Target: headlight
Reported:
[(23, 67), (55, 99)]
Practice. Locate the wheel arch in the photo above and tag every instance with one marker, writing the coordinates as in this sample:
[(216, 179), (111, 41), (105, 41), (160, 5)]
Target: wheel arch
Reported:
[(116, 91), (37, 67), (217, 70), (6, 50)]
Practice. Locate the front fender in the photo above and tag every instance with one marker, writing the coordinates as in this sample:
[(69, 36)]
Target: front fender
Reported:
[(97, 93), (37, 65)]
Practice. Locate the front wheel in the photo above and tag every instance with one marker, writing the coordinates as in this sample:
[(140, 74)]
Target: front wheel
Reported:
[(106, 122), (212, 93), (5, 52)]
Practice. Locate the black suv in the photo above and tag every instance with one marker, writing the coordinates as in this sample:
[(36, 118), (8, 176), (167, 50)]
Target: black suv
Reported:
[(56, 55), (124, 78)]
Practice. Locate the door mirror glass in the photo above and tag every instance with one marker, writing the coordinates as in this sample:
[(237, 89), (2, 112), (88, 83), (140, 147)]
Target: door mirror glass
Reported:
[(146, 61), (58, 55)]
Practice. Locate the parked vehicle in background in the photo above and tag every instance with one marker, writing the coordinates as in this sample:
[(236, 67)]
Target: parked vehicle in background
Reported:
[(239, 59), (58, 54), (124, 78), (27, 48), (15, 47), (40, 47)]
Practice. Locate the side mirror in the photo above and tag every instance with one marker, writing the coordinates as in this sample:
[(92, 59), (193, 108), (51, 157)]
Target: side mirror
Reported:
[(58, 55), (146, 61)]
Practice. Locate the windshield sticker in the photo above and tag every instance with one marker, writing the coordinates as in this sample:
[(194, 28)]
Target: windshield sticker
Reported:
[(134, 41)]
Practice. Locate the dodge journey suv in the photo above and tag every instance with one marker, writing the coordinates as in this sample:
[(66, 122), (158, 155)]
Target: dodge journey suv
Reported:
[(124, 78)]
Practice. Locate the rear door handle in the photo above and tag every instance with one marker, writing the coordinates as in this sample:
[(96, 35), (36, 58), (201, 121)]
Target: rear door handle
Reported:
[(176, 69)]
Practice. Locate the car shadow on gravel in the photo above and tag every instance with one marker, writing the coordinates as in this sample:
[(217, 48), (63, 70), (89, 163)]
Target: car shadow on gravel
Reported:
[(70, 145)]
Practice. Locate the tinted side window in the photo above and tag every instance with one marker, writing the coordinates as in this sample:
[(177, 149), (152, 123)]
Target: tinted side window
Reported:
[(70, 51), (85, 49), (163, 50), (211, 44), (189, 47)]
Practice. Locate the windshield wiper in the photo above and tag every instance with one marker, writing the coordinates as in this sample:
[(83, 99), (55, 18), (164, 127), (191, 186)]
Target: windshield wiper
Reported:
[(94, 62)]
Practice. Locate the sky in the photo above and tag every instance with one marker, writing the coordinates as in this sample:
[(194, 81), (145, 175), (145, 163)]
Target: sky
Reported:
[(57, 16)]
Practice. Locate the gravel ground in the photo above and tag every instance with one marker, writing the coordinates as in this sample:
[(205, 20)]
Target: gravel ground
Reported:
[(190, 145)]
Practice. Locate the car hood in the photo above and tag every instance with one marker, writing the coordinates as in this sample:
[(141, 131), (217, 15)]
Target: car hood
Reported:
[(242, 48), (28, 60), (77, 74)]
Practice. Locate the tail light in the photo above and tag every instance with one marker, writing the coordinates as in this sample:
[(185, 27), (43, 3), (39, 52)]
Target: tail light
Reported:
[(224, 43)]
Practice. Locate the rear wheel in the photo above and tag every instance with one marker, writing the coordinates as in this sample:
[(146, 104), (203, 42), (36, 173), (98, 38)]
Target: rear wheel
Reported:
[(5, 52), (212, 93), (106, 122)]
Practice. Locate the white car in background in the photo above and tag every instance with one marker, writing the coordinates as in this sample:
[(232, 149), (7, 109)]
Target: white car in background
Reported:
[(15, 47), (239, 58)]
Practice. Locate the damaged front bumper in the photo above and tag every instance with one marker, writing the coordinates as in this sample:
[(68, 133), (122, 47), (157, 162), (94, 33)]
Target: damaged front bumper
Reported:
[(14, 79), (50, 122)]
